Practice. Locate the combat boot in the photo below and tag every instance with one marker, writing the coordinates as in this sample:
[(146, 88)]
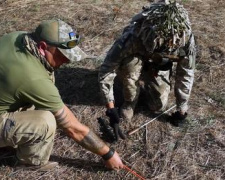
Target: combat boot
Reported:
[(50, 165), (127, 110)]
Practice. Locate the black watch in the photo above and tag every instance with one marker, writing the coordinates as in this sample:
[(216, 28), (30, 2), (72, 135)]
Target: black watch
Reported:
[(109, 154)]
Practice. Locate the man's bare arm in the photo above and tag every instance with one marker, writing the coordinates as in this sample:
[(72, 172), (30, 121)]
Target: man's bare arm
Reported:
[(79, 132), (85, 137)]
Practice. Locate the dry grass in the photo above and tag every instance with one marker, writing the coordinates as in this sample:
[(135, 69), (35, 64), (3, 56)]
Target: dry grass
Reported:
[(159, 151)]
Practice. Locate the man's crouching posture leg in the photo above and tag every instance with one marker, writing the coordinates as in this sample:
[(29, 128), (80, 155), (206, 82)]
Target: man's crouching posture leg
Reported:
[(157, 88), (32, 132), (130, 74)]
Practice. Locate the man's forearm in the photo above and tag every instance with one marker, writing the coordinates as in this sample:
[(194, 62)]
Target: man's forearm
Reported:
[(79, 132), (94, 144)]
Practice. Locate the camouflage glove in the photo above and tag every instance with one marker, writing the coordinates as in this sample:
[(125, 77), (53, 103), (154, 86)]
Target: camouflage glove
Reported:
[(177, 118), (114, 120)]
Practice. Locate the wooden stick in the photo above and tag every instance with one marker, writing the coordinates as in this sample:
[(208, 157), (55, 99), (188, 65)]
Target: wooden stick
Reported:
[(133, 172), (146, 123)]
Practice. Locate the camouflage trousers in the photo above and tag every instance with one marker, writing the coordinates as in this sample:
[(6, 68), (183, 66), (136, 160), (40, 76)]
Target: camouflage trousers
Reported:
[(156, 88), (31, 133)]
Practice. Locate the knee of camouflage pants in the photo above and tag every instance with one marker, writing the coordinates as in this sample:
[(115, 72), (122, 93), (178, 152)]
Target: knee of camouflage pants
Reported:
[(127, 109), (32, 132)]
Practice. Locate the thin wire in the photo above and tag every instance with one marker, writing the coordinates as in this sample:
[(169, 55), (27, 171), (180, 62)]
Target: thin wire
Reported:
[(133, 172)]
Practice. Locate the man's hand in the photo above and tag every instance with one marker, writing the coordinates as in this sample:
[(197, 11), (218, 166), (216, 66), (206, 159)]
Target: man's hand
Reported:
[(177, 118), (160, 62), (114, 120), (85, 137), (114, 162)]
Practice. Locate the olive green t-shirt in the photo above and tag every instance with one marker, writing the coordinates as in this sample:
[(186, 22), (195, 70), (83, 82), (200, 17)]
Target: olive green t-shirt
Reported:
[(23, 79)]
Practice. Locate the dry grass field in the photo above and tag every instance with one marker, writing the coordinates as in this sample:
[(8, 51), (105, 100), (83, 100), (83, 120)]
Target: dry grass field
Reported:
[(159, 151)]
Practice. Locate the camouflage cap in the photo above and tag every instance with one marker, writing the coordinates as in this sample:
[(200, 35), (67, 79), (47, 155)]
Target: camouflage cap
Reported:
[(58, 33)]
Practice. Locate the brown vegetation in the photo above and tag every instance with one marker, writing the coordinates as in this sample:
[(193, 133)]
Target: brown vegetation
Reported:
[(159, 151)]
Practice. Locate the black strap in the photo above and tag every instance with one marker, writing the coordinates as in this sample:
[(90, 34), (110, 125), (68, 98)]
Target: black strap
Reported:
[(109, 154)]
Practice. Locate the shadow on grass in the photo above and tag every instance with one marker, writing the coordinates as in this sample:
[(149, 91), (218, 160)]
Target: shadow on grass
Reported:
[(79, 163), (7, 156), (78, 86)]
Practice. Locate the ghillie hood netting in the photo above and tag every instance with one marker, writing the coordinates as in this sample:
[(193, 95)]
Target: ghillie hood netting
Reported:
[(162, 22)]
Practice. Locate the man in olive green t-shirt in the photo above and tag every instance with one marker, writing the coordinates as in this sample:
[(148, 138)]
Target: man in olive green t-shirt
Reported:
[(27, 62)]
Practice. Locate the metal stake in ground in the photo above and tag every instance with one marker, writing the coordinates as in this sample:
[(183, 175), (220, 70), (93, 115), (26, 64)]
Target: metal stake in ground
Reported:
[(146, 123)]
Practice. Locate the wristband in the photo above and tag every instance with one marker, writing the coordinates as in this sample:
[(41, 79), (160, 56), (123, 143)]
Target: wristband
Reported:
[(109, 154)]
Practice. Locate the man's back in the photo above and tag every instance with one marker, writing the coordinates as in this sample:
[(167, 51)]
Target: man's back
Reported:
[(22, 76)]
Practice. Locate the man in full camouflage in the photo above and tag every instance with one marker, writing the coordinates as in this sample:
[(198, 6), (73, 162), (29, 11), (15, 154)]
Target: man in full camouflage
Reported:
[(155, 40)]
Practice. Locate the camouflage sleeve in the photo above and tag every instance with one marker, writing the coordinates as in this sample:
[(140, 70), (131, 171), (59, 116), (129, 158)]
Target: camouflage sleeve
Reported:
[(185, 76), (114, 58), (106, 77)]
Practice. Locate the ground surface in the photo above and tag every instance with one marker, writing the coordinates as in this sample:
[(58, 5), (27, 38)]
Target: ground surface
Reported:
[(159, 151)]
